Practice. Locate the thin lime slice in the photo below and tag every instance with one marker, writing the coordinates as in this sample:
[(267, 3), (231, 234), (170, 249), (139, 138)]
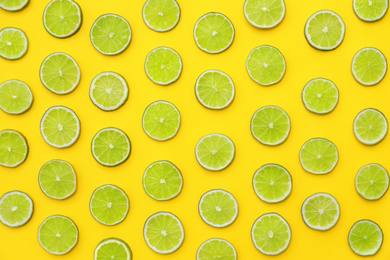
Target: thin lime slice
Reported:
[(109, 91), (60, 73), (264, 14), (214, 33), (369, 66), (57, 179), (16, 208), (218, 208), (13, 43), (162, 180), (13, 148), (163, 232), (58, 235), (161, 15), (111, 147), (15, 97), (163, 66), (113, 248), (215, 152), (270, 125), (216, 248), (365, 238), (372, 181), (110, 34), (320, 96), (370, 126), (62, 18), (325, 30), (60, 127), (272, 183), (319, 156), (161, 120), (266, 65), (13, 5), (109, 205), (271, 234), (214, 89), (321, 211), (370, 10)]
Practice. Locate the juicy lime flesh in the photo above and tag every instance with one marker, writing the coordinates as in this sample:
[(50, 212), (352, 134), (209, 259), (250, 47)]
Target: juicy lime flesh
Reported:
[(372, 181), (321, 212), (320, 96), (13, 43), (161, 15), (370, 10), (215, 152), (163, 65), (13, 148), (15, 97), (264, 14), (109, 205), (214, 33), (216, 249), (270, 125), (266, 65), (62, 17), (369, 66), (15, 209), (318, 156), (110, 34), (13, 4), (161, 120), (57, 179), (162, 180), (113, 249), (365, 238), (370, 126), (60, 73), (109, 91)]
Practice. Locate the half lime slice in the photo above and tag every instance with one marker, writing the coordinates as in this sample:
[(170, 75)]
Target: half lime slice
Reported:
[(320, 96), (370, 126), (13, 5), (369, 66), (13, 43), (13, 148), (15, 97), (264, 13), (372, 181), (16, 208), (370, 10), (216, 248), (113, 248), (365, 238), (161, 15)]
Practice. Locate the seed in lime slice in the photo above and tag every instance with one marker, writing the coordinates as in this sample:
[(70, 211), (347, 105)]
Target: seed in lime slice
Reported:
[(216, 248), (370, 126), (113, 248), (13, 5), (161, 15), (16, 208), (369, 66), (320, 96), (15, 97), (264, 13), (13, 43), (372, 181), (13, 148), (365, 238), (370, 10)]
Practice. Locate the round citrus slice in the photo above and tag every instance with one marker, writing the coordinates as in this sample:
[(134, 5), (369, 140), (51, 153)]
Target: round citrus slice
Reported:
[(13, 43), (372, 181), (320, 96), (113, 248), (369, 66), (15, 97), (216, 248), (13, 148), (365, 238), (16, 208), (161, 15), (370, 126), (370, 10), (13, 5), (264, 13)]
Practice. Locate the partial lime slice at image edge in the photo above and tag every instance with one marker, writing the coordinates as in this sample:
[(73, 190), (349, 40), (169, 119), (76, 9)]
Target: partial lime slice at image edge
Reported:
[(216, 248), (320, 98), (365, 129), (166, 9), (15, 38), (10, 5), (15, 97), (264, 14), (16, 209), (370, 11), (113, 248), (14, 148), (365, 238), (372, 181)]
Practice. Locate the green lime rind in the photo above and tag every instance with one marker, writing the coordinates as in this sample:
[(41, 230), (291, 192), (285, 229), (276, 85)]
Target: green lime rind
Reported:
[(370, 11), (370, 65), (359, 234), (262, 11), (372, 185), (316, 105), (8, 91), (23, 45), (5, 147), (26, 213), (167, 5), (121, 250), (21, 4), (362, 122), (216, 248)]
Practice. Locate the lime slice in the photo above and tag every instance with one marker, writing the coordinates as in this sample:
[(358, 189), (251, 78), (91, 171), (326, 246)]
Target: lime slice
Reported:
[(62, 18), (161, 120), (321, 211), (320, 96), (110, 34), (109, 205), (60, 73), (57, 179), (60, 127), (369, 66), (370, 126), (215, 152), (216, 248), (319, 156), (13, 5), (162, 180), (13, 43), (266, 65), (15, 97), (370, 10), (214, 89), (218, 208), (325, 30), (264, 13), (271, 234), (16, 208), (161, 15), (111, 147), (163, 66), (109, 91), (270, 125), (58, 235), (163, 232), (365, 238), (272, 183), (113, 248), (372, 181), (13, 148), (214, 33)]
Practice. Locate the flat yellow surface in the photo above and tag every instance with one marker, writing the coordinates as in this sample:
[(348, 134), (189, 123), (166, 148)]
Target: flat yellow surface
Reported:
[(303, 64)]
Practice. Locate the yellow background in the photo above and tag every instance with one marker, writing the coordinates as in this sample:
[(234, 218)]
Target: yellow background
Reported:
[(303, 64)]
